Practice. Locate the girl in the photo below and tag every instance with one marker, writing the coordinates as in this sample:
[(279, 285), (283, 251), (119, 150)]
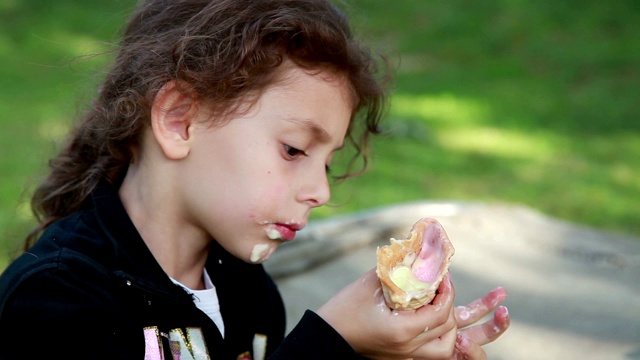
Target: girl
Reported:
[(208, 146)]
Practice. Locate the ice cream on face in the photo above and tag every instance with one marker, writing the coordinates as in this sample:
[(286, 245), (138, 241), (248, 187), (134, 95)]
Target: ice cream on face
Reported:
[(273, 233), (260, 253), (277, 232)]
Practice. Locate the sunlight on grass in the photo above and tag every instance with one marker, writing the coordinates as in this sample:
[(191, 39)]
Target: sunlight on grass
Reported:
[(23, 211), (498, 142), (75, 44), (7, 5), (80, 45), (53, 131), (623, 175), (444, 108), (460, 127)]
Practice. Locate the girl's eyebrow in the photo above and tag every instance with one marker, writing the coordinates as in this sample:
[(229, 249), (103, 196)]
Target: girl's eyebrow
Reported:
[(317, 131)]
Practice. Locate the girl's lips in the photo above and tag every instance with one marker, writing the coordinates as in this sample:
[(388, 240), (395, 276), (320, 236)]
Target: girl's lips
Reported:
[(287, 232), (279, 231), (282, 231)]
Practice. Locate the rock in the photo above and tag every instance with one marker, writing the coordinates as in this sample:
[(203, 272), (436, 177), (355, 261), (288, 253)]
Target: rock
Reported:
[(574, 291)]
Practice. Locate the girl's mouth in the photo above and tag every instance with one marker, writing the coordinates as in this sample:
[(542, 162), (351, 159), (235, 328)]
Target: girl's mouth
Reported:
[(279, 231)]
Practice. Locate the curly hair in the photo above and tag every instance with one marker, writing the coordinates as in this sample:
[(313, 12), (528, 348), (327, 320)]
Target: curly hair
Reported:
[(223, 50)]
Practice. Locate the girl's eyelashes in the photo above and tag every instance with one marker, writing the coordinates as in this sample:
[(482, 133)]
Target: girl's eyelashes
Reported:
[(293, 152)]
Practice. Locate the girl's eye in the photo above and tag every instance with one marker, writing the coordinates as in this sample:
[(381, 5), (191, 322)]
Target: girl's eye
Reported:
[(293, 152)]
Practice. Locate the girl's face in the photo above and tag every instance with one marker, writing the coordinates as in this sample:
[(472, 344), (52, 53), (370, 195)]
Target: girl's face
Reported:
[(251, 183)]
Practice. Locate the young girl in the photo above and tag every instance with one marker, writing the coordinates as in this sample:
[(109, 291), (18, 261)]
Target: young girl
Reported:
[(208, 147)]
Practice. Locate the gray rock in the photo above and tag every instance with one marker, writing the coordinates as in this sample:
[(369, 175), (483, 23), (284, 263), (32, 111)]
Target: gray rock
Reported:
[(574, 291)]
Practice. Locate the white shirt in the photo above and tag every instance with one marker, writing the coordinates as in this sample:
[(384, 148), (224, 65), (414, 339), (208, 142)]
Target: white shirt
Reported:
[(207, 300)]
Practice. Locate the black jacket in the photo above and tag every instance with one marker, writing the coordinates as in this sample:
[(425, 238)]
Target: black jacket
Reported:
[(91, 289)]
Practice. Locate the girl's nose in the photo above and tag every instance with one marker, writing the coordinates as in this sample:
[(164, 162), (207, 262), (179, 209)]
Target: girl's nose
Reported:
[(315, 190)]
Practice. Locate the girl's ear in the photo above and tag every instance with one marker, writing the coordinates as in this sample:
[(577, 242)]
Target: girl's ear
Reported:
[(172, 115)]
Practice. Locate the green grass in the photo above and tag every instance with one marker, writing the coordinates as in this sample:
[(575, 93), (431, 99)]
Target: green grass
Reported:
[(500, 101), (507, 101)]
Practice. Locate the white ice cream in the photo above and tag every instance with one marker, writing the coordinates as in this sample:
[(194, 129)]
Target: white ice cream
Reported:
[(273, 233), (260, 252)]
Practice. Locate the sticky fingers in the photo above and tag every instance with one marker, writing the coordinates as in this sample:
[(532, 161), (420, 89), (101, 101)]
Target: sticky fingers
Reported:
[(437, 318), (441, 347), (479, 308), (445, 295), (490, 330), (466, 349), (471, 337)]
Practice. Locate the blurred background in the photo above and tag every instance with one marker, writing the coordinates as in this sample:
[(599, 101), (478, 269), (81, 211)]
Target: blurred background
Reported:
[(527, 102)]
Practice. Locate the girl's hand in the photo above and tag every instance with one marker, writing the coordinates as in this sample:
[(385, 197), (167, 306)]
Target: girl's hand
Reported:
[(359, 313), (471, 337)]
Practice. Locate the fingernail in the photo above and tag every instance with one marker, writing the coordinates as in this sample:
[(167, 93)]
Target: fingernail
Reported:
[(503, 291), (462, 342), (502, 312), (502, 316)]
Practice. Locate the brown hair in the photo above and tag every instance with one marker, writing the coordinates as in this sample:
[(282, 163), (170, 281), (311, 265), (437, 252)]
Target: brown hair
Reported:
[(223, 50)]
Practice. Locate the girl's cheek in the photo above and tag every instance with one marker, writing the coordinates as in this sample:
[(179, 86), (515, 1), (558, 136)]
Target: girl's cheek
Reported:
[(273, 192)]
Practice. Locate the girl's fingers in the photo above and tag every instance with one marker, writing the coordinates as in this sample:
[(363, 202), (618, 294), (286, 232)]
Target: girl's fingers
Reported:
[(489, 331), (479, 308), (445, 296), (439, 348), (465, 349)]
